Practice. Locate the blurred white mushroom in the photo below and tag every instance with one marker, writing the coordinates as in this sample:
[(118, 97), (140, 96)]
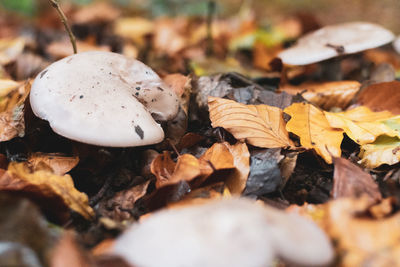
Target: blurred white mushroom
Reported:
[(103, 98), (234, 232), (335, 40), (396, 44)]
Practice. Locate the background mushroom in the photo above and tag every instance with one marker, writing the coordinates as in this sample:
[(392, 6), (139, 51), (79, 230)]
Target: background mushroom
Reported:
[(232, 232), (104, 99), (333, 41)]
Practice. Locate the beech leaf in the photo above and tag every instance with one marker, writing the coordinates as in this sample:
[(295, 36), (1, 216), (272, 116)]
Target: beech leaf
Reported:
[(258, 125), (311, 125), (361, 124)]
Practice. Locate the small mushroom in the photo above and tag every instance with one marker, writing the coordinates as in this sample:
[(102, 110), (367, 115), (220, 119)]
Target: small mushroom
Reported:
[(336, 40), (231, 232), (396, 44), (103, 98)]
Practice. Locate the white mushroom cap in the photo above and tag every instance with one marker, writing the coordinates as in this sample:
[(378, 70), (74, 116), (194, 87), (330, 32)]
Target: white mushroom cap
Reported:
[(232, 232), (334, 40), (229, 233), (103, 98)]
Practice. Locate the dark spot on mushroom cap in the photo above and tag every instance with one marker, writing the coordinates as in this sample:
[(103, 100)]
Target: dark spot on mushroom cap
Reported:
[(122, 106), (81, 96), (137, 93), (139, 131), (159, 88), (138, 88), (43, 73)]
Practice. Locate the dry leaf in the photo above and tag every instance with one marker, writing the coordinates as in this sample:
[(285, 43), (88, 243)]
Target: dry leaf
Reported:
[(258, 125), (10, 49), (385, 150), (60, 49), (43, 185), (326, 95), (188, 167), (168, 172), (12, 122), (134, 28), (236, 182), (349, 180), (381, 96), (310, 124), (361, 124), (59, 164), (99, 12), (359, 240)]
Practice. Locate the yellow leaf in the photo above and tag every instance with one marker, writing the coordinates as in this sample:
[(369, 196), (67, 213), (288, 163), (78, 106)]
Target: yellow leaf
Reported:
[(361, 124), (10, 49), (47, 185), (310, 124), (385, 150), (258, 125)]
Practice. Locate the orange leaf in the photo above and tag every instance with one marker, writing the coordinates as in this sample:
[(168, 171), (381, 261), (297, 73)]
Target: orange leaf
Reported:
[(258, 125), (311, 125)]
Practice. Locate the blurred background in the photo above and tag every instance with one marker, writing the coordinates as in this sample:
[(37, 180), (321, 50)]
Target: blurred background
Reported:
[(384, 12)]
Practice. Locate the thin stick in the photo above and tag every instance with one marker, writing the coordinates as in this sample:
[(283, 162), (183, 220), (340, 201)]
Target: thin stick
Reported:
[(56, 5)]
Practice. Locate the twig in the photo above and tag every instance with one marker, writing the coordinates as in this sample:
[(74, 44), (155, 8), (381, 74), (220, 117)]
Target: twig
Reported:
[(56, 5)]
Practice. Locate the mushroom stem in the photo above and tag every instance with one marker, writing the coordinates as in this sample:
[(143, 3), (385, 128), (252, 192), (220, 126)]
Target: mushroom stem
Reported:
[(331, 69), (56, 5)]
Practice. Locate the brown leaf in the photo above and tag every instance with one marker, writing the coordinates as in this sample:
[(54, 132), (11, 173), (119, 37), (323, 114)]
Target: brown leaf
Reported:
[(188, 167), (95, 13), (124, 201), (381, 96), (53, 193), (349, 180), (326, 95), (359, 240), (236, 182), (258, 125), (59, 164), (68, 253), (60, 49)]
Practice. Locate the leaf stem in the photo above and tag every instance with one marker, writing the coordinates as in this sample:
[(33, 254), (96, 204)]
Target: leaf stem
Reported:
[(56, 5)]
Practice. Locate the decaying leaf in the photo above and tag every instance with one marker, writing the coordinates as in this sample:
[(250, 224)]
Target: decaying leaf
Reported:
[(385, 150), (361, 124), (99, 12), (134, 28), (59, 164), (265, 175), (53, 190), (381, 96), (63, 48), (12, 122), (326, 95), (258, 125), (349, 180), (311, 125)]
